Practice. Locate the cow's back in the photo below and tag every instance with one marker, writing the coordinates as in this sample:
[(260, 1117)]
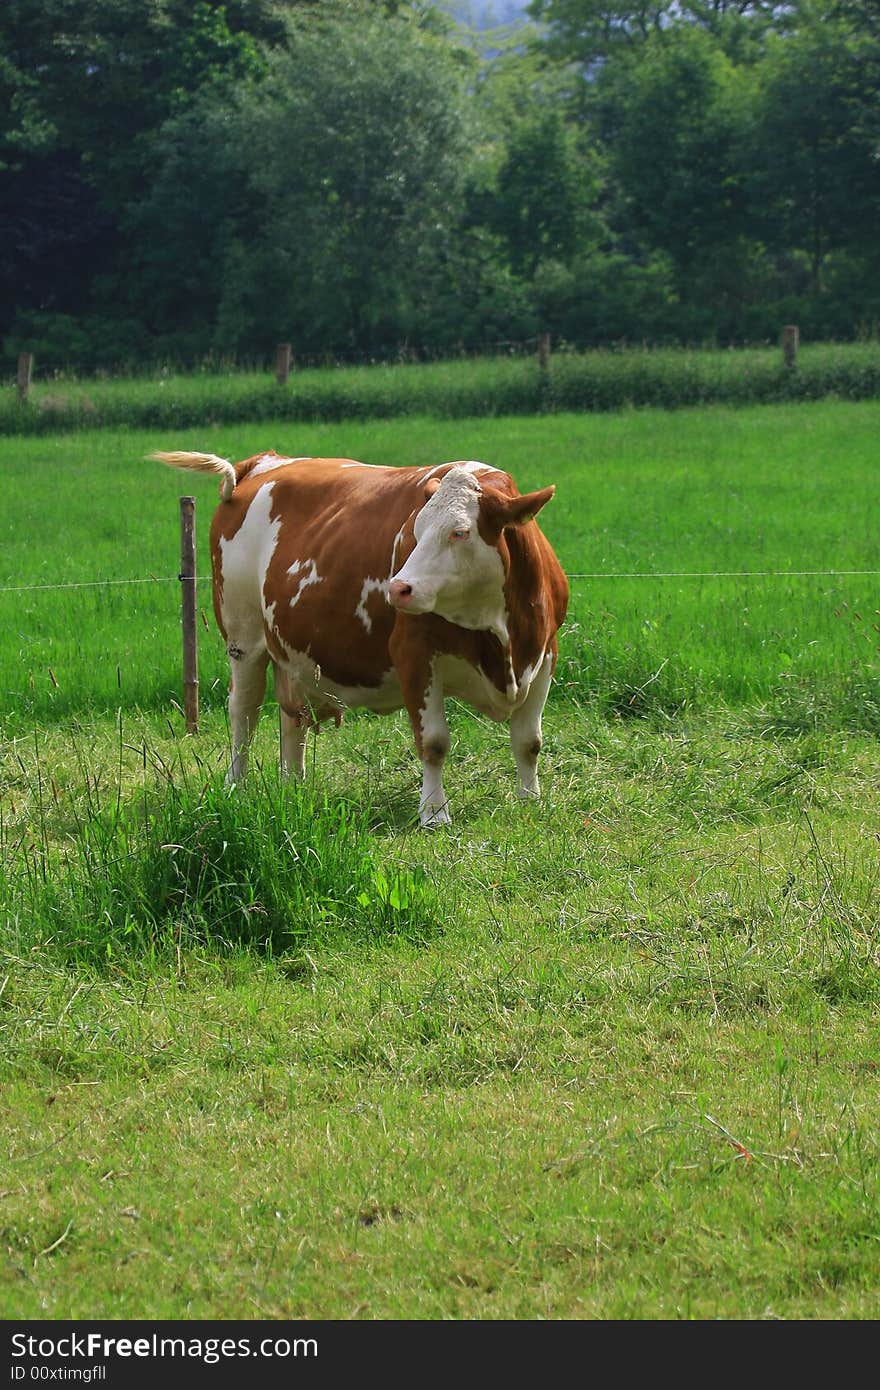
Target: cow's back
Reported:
[(306, 547)]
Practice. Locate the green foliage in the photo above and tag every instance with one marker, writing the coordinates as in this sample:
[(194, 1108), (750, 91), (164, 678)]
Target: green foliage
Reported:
[(594, 32), (191, 863), (812, 161), (540, 189), (317, 196), (472, 387), (367, 180), (674, 114), (88, 86), (606, 298)]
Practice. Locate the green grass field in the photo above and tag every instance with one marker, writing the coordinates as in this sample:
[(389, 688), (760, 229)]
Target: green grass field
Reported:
[(782, 489), (612, 1055)]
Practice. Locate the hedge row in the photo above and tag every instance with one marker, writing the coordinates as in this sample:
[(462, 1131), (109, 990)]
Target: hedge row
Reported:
[(592, 381)]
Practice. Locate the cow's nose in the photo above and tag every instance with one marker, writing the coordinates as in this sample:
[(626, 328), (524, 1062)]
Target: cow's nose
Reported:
[(399, 593)]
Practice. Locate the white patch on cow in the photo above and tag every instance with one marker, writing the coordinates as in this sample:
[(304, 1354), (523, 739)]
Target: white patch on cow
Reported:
[(395, 546), (452, 571), (530, 672), (511, 683), (469, 466), (369, 586), (271, 461), (244, 562), (310, 575)]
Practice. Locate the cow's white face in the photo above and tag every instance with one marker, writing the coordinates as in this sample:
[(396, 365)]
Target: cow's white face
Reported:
[(452, 571)]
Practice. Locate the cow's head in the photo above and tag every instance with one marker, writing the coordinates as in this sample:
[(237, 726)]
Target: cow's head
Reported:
[(458, 565)]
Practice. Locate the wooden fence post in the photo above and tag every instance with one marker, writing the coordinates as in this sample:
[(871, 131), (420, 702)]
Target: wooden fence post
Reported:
[(188, 613), (282, 363), (544, 351), (25, 371), (790, 343)]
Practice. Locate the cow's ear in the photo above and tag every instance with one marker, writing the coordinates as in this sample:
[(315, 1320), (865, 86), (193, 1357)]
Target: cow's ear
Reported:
[(431, 487), (518, 510)]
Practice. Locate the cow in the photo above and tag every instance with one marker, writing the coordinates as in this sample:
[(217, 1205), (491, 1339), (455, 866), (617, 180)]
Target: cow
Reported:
[(383, 587)]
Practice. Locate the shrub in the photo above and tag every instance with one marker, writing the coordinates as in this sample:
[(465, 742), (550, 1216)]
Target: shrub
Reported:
[(270, 867)]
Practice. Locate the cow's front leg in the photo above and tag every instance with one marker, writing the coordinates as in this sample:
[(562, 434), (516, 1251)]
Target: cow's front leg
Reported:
[(525, 731), (422, 691), (432, 741), (294, 733)]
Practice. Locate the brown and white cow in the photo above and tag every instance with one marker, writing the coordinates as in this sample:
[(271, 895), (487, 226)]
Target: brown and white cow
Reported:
[(381, 588)]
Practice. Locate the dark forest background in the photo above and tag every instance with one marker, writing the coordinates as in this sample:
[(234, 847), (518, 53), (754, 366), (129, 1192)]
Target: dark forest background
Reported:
[(366, 180)]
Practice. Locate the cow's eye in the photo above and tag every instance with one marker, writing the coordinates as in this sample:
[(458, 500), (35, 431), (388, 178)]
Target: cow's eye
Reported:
[(460, 535)]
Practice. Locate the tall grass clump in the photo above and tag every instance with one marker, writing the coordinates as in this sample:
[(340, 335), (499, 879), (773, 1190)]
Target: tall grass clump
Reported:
[(272, 867)]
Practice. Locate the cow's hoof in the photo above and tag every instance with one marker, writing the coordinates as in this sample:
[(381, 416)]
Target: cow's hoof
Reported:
[(431, 820)]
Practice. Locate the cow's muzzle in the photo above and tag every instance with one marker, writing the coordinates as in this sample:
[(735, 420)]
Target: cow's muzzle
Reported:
[(400, 594)]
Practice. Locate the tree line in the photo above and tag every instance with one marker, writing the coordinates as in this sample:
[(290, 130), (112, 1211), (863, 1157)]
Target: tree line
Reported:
[(365, 179)]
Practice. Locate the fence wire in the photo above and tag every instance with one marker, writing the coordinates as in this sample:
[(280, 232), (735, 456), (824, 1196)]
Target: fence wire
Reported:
[(592, 574)]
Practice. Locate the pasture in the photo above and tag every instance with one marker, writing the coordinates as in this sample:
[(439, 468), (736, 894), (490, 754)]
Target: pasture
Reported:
[(612, 1055)]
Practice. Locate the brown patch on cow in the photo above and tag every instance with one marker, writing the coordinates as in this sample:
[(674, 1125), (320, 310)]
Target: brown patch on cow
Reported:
[(501, 509), (506, 519), (533, 621)]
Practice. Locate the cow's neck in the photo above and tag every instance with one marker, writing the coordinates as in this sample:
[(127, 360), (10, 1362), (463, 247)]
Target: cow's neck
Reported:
[(488, 616), (525, 607)]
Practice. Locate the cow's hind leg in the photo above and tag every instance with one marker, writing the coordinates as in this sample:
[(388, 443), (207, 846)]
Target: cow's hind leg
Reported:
[(247, 687), (294, 732), (525, 731)]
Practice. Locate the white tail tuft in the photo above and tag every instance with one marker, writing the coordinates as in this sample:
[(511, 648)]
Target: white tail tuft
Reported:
[(202, 463)]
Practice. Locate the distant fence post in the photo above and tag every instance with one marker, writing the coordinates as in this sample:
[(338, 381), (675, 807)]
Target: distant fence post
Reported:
[(544, 351), (282, 363), (25, 372), (188, 609), (790, 343)]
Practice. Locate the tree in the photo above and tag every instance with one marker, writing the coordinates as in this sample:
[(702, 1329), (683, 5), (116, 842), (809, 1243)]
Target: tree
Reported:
[(672, 118), (815, 181), (84, 82), (540, 198), (590, 32), (325, 189)]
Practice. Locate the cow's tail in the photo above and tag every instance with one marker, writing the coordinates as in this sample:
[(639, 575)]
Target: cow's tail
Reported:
[(202, 463)]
